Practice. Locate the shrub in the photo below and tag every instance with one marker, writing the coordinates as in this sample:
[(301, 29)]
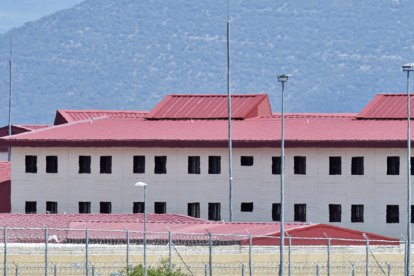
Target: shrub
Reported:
[(160, 270)]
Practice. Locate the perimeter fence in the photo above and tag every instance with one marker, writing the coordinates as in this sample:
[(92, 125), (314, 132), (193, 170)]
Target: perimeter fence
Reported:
[(53, 251)]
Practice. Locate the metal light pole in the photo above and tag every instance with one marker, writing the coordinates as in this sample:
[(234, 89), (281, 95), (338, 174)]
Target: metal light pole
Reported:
[(10, 95), (142, 184), (282, 79), (408, 68), (229, 123)]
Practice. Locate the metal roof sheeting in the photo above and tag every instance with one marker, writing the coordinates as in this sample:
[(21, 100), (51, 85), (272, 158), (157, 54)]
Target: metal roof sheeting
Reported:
[(210, 107), (261, 130), (256, 132), (68, 116), (182, 227), (387, 106)]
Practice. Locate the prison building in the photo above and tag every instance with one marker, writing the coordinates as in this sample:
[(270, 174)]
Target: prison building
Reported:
[(342, 169)]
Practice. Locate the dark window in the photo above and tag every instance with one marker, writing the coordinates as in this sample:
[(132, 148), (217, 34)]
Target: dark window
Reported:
[(300, 212), (84, 207), (160, 164), (357, 213), (276, 211), (214, 211), (214, 164), (139, 164), (105, 207), (160, 207), (31, 163), (393, 214), (299, 164), (246, 160), (51, 164), (194, 164), (30, 207), (106, 164), (335, 212), (247, 207), (276, 165), (138, 207), (51, 207), (412, 213), (335, 163), (357, 165), (412, 165), (193, 209), (84, 164), (393, 165)]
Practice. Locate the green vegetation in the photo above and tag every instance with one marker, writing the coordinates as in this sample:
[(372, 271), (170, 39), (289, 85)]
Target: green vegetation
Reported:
[(160, 270)]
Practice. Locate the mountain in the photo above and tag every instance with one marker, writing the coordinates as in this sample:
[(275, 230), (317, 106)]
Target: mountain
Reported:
[(128, 54), (15, 13)]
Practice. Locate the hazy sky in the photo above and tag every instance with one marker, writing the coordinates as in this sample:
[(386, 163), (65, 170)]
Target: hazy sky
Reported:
[(14, 13)]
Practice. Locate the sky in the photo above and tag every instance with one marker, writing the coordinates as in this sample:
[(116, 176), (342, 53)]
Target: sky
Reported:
[(14, 13)]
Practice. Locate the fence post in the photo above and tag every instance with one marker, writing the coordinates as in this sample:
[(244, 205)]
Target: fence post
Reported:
[(250, 255), (405, 252), (55, 270), (353, 270), (93, 270), (317, 269), (46, 251), (86, 252), (17, 270), (388, 269), (210, 253), (366, 256), (169, 251), (242, 269), (205, 270), (329, 257), (127, 250), (289, 251), (5, 250)]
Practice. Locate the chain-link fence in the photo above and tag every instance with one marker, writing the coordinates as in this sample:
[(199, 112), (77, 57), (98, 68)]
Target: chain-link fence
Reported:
[(50, 251)]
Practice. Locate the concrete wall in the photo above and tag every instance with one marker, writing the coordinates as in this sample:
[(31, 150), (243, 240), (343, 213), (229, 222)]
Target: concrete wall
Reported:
[(3, 155), (317, 189)]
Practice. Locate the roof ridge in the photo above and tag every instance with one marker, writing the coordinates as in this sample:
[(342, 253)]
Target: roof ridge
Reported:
[(102, 110), (216, 95)]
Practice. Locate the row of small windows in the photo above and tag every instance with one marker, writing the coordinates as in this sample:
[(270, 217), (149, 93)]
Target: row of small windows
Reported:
[(214, 164), (160, 164), (335, 213), (105, 207), (214, 210)]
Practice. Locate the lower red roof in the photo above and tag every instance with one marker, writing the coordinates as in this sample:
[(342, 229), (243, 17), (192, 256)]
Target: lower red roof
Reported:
[(111, 226)]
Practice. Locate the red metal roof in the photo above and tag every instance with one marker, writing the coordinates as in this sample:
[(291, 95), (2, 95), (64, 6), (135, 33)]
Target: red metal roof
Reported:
[(4, 172), (159, 225), (121, 129), (63, 220), (67, 116), (210, 107), (16, 129), (387, 106), (300, 131)]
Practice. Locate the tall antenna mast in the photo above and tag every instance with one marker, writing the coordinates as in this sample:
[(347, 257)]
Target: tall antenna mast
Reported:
[(229, 117), (10, 93)]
